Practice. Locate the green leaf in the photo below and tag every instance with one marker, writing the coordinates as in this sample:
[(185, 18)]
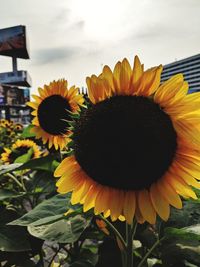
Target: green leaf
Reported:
[(42, 181), (24, 158), (47, 163), (12, 238), (27, 132), (61, 231), (8, 168), (46, 212), (181, 245), (180, 218), (6, 194), (186, 233)]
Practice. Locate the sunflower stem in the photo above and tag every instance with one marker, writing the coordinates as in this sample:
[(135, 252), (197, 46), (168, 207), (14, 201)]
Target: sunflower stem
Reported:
[(150, 251), (14, 179), (61, 156), (130, 232)]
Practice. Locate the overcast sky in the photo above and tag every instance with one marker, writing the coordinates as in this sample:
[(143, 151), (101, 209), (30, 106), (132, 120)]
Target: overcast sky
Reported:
[(74, 38)]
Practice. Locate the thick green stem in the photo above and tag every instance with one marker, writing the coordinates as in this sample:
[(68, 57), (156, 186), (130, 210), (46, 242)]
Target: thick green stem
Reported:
[(134, 228), (150, 251), (129, 241), (130, 233)]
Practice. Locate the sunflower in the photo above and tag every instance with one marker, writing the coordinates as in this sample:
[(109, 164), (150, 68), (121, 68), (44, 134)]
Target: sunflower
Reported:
[(19, 148), (136, 147), (18, 127), (5, 123), (51, 112)]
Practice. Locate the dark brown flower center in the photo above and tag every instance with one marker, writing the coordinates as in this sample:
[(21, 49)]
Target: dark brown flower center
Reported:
[(53, 115), (125, 142)]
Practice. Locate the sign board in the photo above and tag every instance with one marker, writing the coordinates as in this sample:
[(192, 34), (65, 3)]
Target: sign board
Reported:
[(13, 42)]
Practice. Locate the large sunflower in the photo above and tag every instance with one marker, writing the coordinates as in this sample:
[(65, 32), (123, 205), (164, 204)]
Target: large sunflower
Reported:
[(51, 112), (19, 148), (136, 147)]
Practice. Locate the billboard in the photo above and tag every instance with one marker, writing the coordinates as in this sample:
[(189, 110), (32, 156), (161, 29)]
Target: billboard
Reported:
[(13, 42)]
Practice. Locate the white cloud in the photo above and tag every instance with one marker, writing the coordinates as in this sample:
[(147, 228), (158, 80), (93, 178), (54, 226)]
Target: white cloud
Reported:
[(73, 38)]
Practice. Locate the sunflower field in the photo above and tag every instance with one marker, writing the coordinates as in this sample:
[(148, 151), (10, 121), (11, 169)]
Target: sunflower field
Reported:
[(107, 178)]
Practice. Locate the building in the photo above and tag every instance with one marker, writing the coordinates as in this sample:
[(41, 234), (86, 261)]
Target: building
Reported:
[(14, 85), (190, 67)]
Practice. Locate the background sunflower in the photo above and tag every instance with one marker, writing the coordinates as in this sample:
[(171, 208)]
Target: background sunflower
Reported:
[(20, 148), (51, 112), (136, 148)]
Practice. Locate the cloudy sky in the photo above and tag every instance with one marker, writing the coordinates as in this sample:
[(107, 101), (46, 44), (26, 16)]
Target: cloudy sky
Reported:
[(74, 38)]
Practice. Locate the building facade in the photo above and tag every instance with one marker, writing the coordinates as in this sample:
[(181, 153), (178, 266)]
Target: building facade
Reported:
[(190, 67)]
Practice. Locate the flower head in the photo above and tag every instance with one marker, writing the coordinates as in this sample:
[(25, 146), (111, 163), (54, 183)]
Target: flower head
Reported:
[(51, 112), (18, 127), (136, 148), (19, 148)]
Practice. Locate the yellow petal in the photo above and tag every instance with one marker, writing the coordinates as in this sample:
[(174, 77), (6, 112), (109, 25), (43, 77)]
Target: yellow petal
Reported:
[(106, 214), (116, 77), (149, 81), (136, 75), (67, 183), (32, 104), (125, 76), (96, 90), (38, 99), (64, 165), (102, 200), (138, 214), (166, 91), (181, 187), (129, 206), (160, 204), (89, 201), (116, 203), (77, 193), (169, 193), (146, 208), (90, 93), (87, 186), (42, 92), (179, 171)]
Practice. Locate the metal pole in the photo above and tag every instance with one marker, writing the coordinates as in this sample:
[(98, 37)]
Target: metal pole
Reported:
[(14, 64)]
